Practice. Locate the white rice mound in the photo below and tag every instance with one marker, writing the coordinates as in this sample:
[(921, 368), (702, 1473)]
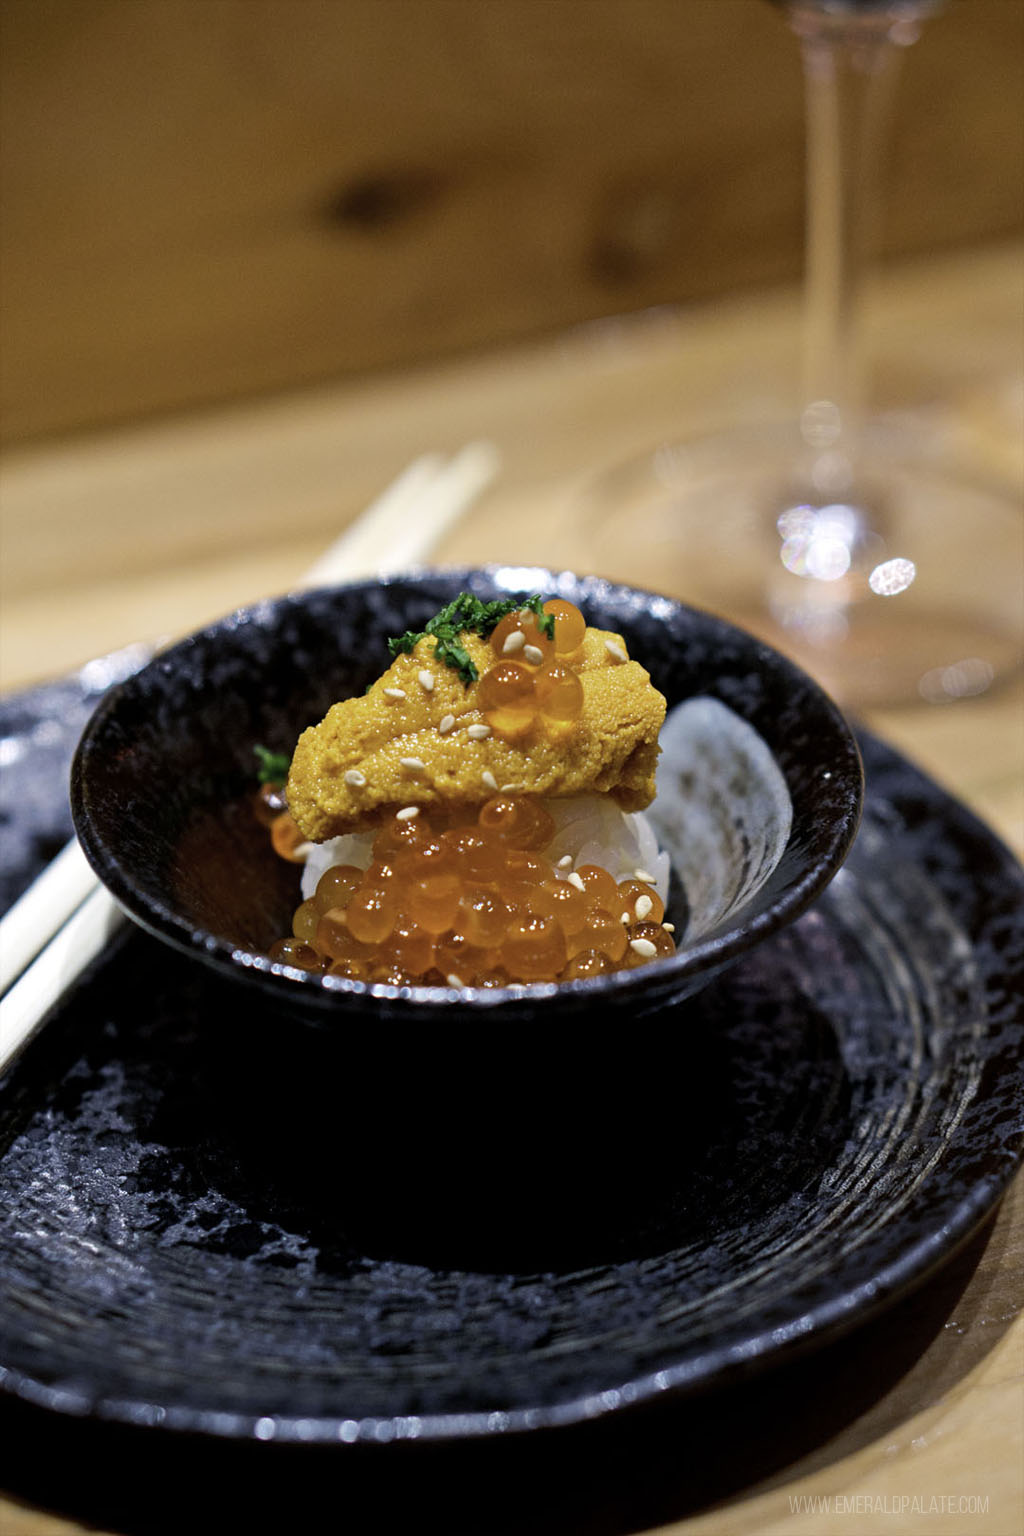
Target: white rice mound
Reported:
[(590, 829)]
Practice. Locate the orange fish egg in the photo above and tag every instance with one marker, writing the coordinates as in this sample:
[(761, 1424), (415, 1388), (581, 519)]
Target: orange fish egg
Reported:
[(268, 803), (295, 952), (286, 838), (534, 948), (559, 695), (641, 901), (587, 962), (567, 903), (335, 886), (533, 649), (457, 956), (506, 696), (334, 939), (570, 625), (305, 920), (467, 897), (429, 855), (433, 902), (642, 939), (524, 864), (483, 916), (518, 822), (412, 947), (399, 833), (354, 970), (477, 855), (371, 913), (601, 931), (599, 886)]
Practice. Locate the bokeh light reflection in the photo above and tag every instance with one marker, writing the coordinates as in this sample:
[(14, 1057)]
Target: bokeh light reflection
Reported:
[(818, 541), (892, 576), (962, 680)]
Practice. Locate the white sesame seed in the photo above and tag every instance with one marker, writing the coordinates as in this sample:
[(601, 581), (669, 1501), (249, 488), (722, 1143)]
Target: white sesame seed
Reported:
[(394, 693), (355, 778), (565, 862), (478, 732), (576, 880), (426, 681), (669, 927), (624, 918), (446, 725), (615, 650), (407, 813), (511, 789), (453, 980), (413, 764), (490, 782), (644, 904), (513, 642), (643, 947), (641, 874), (533, 654)]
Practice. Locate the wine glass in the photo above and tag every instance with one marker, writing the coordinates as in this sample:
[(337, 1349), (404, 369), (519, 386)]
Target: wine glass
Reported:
[(848, 542)]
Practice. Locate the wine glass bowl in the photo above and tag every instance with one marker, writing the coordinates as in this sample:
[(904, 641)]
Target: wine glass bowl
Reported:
[(854, 544), (910, 590)]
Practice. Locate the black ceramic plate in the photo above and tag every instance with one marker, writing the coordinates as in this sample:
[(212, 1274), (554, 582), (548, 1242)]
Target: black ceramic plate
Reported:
[(187, 1242)]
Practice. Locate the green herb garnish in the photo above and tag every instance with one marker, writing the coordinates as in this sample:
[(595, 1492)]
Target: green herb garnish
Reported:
[(467, 613), (271, 767)]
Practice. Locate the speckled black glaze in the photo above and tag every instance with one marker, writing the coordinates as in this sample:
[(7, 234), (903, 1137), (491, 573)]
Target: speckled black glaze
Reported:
[(158, 782), (187, 1240), (39, 728)]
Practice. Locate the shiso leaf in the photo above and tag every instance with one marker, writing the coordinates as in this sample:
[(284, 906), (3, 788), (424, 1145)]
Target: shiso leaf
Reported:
[(271, 767), (467, 613)]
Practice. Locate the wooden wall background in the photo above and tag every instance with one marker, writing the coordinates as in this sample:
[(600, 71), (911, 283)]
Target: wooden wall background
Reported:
[(204, 199)]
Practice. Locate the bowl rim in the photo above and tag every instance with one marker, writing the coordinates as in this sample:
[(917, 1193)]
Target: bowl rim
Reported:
[(324, 992)]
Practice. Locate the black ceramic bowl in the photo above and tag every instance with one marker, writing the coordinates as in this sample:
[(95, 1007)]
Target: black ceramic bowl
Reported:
[(162, 783)]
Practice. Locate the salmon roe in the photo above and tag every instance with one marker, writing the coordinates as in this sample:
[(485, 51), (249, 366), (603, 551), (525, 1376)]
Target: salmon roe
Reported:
[(532, 683), (473, 904), (570, 625), (468, 898)]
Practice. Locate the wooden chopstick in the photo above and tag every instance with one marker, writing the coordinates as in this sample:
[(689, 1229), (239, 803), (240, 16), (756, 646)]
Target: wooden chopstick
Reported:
[(43, 909), (66, 917)]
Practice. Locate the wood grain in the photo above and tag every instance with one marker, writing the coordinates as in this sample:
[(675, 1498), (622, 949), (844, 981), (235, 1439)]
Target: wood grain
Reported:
[(206, 198)]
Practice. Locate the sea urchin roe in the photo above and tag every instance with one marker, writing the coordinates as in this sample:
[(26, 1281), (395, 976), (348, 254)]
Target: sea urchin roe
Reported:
[(473, 903), (538, 706)]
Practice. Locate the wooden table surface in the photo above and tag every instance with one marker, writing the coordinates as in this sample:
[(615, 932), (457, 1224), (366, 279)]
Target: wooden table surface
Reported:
[(148, 531)]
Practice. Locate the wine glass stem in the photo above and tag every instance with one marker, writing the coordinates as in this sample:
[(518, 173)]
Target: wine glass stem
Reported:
[(850, 61)]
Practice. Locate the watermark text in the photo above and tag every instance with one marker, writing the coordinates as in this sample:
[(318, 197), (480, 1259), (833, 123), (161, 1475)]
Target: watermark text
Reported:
[(888, 1504)]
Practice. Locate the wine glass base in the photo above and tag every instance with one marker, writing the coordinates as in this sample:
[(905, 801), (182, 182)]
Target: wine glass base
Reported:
[(911, 590)]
